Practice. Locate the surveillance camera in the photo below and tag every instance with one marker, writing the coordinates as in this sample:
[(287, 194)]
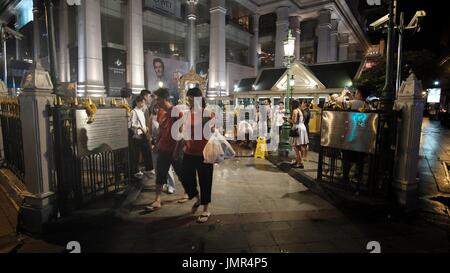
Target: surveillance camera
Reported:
[(415, 21), (380, 23)]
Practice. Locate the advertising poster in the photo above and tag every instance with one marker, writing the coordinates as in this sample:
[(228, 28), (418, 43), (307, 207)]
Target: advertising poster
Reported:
[(164, 72), (115, 71)]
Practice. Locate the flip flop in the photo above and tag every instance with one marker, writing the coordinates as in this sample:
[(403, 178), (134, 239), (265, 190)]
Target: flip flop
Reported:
[(184, 200), (204, 217), (152, 208)]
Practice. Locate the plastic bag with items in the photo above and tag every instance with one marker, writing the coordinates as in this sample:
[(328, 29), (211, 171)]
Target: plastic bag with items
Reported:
[(217, 149)]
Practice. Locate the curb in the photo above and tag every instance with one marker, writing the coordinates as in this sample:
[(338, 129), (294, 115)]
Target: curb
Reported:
[(13, 187)]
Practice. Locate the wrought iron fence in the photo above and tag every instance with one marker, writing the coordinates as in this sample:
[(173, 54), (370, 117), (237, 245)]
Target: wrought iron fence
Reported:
[(83, 178), (11, 128), (353, 170)]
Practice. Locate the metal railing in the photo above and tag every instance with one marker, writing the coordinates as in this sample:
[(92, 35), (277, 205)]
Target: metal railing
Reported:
[(354, 171), (11, 129), (81, 179)]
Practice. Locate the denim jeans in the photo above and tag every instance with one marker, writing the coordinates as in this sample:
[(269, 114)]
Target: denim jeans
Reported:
[(170, 175)]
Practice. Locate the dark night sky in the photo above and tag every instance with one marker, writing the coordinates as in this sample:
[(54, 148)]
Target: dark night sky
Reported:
[(434, 34)]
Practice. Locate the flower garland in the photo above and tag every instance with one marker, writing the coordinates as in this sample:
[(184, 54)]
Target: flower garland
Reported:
[(126, 106), (91, 110)]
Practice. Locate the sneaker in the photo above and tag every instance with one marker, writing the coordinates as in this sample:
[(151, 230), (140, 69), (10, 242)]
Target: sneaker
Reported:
[(171, 190), (139, 174), (153, 172)]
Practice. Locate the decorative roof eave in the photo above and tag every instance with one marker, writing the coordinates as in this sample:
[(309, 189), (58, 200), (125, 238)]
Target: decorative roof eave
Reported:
[(301, 73), (295, 92)]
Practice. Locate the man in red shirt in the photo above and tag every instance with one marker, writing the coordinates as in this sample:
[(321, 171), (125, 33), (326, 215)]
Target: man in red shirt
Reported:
[(166, 145)]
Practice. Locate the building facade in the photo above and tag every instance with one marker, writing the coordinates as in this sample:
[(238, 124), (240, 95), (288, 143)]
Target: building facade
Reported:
[(104, 45)]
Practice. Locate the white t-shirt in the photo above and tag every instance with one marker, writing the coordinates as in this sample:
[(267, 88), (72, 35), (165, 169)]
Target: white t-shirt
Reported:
[(138, 120)]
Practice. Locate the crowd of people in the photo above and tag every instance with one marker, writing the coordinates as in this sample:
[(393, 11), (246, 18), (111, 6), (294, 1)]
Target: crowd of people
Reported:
[(273, 126), (152, 142)]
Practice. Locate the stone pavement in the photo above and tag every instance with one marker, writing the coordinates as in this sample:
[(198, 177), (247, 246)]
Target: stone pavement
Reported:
[(10, 241), (256, 208)]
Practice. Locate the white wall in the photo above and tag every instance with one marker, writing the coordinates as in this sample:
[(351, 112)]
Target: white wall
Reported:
[(235, 72)]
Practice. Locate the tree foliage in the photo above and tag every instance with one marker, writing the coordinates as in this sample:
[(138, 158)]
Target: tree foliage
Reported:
[(424, 64)]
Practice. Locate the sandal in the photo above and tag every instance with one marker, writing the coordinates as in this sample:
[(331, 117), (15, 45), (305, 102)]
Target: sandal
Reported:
[(204, 217), (152, 208), (299, 166), (183, 200)]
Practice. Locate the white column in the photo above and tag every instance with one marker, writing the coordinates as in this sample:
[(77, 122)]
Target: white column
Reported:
[(324, 35), (90, 60), (192, 39), (334, 41), (36, 33), (295, 25), (135, 46), (343, 46), (281, 34), (64, 63), (255, 48), (37, 143), (217, 61), (411, 105)]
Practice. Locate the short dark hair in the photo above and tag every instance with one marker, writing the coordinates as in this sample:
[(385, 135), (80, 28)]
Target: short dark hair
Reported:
[(158, 60), (126, 92), (162, 93), (140, 98), (295, 104), (267, 99), (194, 92), (145, 92), (281, 102)]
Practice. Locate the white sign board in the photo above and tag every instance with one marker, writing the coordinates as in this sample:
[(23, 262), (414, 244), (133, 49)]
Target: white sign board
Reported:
[(434, 95), (172, 7)]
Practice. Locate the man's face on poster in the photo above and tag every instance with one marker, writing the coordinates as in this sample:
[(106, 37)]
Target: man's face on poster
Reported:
[(159, 69)]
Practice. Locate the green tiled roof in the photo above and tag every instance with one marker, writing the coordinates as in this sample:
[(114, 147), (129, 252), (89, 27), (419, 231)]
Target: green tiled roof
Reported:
[(268, 78), (335, 75), (245, 84)]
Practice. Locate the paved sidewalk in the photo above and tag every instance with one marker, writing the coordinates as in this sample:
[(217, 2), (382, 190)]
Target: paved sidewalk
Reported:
[(256, 208)]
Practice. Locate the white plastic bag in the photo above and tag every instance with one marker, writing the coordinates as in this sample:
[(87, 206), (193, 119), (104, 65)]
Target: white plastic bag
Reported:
[(217, 149)]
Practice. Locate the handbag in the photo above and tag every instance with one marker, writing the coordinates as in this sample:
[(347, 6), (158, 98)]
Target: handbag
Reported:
[(136, 134), (294, 132)]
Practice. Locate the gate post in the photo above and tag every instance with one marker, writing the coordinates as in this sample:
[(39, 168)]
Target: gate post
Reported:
[(38, 205), (410, 104), (3, 92)]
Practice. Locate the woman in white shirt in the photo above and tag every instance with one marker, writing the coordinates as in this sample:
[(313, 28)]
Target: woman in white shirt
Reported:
[(139, 138)]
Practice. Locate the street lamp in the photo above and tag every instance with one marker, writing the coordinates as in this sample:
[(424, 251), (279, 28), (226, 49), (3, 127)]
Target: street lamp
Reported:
[(289, 47)]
